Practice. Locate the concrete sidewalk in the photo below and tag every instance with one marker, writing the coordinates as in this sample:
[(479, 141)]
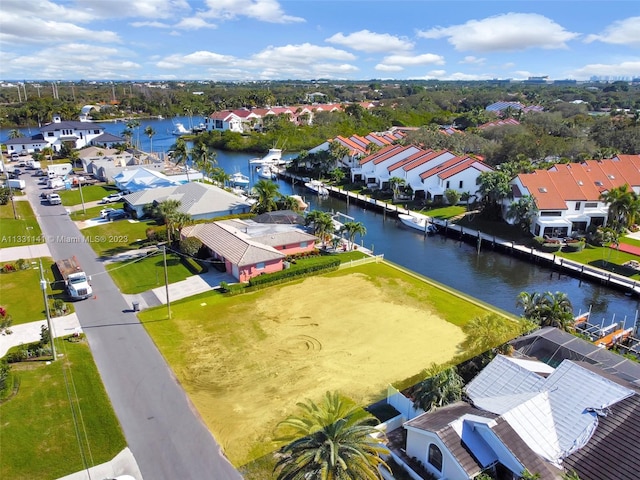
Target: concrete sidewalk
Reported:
[(30, 332), (11, 254)]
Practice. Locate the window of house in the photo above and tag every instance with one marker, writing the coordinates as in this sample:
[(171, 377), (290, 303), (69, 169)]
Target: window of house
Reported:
[(591, 205), (303, 244), (96, 132), (550, 214), (435, 456), (50, 134), (578, 205), (460, 184), (448, 183), (260, 266)]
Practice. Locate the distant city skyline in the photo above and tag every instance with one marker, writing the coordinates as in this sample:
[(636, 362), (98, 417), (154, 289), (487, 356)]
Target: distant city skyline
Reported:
[(254, 40)]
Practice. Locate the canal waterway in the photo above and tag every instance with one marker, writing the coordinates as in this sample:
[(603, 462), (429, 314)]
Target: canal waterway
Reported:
[(491, 276)]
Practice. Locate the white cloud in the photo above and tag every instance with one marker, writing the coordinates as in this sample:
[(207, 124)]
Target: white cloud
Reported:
[(76, 60), (471, 60), (263, 10), (508, 32), (38, 31), (622, 32), (371, 42), (150, 24), (304, 55), (629, 68), (394, 63), (134, 8), (201, 58), (194, 23), (43, 9)]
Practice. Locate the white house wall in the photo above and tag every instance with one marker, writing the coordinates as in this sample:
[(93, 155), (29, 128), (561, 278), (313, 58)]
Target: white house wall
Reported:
[(412, 176), (418, 446), (381, 170)]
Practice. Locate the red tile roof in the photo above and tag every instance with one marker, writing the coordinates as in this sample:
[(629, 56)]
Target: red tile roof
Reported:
[(381, 152)]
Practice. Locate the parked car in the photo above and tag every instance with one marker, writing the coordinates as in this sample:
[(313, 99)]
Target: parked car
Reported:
[(104, 213), (117, 215), (114, 197), (43, 181), (54, 199), (14, 156)]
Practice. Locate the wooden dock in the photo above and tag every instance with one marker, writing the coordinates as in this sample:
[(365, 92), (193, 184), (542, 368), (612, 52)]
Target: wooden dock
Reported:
[(483, 240)]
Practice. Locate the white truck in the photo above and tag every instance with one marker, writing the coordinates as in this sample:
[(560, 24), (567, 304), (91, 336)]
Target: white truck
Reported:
[(16, 183), (59, 170), (55, 183), (75, 280)]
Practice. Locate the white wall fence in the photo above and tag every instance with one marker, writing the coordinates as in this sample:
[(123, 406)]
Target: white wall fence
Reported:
[(362, 261), (402, 404)]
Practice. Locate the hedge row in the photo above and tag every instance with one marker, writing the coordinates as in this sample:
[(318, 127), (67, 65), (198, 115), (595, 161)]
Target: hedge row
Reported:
[(285, 275)]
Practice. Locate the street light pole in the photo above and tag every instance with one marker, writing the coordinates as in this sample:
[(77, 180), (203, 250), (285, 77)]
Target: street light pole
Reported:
[(166, 280), (84, 210), (43, 286)]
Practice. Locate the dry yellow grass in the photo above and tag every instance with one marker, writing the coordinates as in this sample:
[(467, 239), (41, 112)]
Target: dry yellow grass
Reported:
[(246, 361)]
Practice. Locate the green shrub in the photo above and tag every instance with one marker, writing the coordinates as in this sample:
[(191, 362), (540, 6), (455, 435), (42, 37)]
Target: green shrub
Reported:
[(550, 247), (573, 247)]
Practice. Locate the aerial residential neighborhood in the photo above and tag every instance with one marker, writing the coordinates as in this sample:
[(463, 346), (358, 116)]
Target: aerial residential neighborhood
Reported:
[(257, 239)]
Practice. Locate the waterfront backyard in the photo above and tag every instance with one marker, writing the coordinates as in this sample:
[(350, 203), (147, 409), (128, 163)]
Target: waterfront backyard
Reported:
[(246, 360)]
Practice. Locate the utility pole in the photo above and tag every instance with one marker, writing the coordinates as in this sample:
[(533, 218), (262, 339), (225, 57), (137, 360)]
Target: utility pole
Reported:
[(166, 280), (84, 210), (43, 286)]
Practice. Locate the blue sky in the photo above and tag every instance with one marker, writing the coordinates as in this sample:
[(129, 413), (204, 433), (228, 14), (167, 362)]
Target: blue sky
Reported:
[(240, 40)]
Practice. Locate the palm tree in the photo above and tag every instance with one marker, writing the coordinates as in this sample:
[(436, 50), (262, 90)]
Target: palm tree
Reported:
[(352, 229), (15, 134), (322, 223), (622, 206), (523, 211), (204, 157), (490, 331), (167, 211), (178, 221), (150, 132), (547, 309), (395, 183), (132, 125), (333, 440), (443, 386), (180, 154), (267, 192)]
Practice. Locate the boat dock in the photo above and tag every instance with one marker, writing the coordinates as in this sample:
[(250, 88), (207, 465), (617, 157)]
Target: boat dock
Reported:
[(482, 240)]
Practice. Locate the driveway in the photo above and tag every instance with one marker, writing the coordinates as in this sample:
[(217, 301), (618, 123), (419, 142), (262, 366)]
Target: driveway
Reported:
[(163, 430)]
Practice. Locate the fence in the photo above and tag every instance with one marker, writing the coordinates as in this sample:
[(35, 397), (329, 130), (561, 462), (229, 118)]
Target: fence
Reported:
[(362, 261)]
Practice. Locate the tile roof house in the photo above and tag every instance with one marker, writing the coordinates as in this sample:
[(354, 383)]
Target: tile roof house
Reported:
[(199, 200), (74, 133), (248, 248), (568, 195), (518, 418)]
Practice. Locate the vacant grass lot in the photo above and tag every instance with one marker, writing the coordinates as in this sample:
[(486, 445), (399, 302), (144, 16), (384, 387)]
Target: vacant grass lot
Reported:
[(20, 293), (39, 436), (17, 232), (147, 273), (246, 360), (118, 236), (89, 213), (90, 193)]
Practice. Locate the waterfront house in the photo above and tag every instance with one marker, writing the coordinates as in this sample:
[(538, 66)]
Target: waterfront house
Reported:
[(33, 144), (568, 195), (247, 248), (198, 200), (74, 134)]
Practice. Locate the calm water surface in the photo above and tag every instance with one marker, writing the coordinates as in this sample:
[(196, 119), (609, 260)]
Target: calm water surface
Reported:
[(493, 277)]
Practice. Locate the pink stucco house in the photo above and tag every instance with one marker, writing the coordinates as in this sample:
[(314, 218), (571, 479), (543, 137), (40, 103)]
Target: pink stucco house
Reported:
[(249, 248)]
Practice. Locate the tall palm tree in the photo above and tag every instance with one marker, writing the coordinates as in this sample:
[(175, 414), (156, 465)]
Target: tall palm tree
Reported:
[(134, 125), (547, 309), (322, 223), (352, 229), (180, 154), (395, 183), (490, 331), (621, 200), (167, 211), (267, 193), (178, 221), (204, 157), (150, 132), (443, 386), (333, 440)]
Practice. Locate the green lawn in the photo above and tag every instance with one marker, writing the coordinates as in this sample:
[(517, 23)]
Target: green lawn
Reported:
[(39, 437), (605, 258), (90, 193), (445, 213), (14, 288), (139, 276), (92, 212), (23, 230), (119, 236)]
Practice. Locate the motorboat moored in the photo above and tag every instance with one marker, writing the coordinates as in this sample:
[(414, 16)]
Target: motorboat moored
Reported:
[(318, 187), (418, 221), (238, 179)]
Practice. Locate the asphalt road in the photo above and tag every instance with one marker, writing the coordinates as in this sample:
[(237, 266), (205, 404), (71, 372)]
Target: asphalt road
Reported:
[(161, 426)]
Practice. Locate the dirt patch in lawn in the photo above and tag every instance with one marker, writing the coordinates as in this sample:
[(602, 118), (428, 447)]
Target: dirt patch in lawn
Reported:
[(347, 333)]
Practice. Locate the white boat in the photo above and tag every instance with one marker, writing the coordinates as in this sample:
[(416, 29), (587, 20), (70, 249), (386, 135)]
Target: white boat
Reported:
[(239, 179), (418, 222), (318, 187), (181, 130), (273, 157), (266, 171)]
